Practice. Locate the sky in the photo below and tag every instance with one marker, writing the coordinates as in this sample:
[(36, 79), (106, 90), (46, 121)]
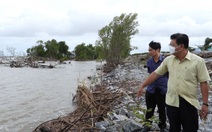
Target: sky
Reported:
[(24, 22)]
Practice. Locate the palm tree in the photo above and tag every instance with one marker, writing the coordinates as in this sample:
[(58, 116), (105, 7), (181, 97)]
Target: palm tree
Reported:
[(207, 45)]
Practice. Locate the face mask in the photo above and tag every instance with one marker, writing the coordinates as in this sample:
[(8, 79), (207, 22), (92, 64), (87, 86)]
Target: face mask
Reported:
[(172, 49)]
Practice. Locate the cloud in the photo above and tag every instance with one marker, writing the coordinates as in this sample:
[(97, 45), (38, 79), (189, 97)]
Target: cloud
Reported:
[(30, 24), (163, 27), (79, 21)]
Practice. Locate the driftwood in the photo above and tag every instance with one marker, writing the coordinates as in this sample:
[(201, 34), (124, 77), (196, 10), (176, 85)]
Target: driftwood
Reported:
[(93, 106)]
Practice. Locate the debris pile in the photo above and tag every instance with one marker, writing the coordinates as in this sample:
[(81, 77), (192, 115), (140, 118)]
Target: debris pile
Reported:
[(93, 107)]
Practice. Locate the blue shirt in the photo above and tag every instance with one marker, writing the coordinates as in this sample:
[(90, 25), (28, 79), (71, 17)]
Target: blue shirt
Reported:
[(161, 82)]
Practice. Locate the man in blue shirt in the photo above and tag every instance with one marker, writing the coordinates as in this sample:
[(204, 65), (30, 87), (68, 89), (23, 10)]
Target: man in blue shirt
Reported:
[(156, 92)]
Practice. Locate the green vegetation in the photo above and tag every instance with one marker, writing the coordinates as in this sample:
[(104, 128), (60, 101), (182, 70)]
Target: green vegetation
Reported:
[(140, 113), (84, 52), (207, 45), (114, 44), (50, 49)]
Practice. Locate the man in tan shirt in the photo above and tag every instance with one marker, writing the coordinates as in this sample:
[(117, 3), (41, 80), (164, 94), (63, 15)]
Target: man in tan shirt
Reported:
[(186, 71)]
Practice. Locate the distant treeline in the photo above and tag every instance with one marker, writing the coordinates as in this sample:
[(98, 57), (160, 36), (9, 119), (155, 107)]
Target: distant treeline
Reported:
[(113, 45)]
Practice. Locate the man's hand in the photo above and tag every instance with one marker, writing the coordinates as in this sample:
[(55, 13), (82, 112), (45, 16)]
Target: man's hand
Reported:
[(150, 79), (205, 93), (140, 91), (204, 112)]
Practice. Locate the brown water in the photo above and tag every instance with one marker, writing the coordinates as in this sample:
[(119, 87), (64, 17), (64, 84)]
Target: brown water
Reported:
[(31, 96)]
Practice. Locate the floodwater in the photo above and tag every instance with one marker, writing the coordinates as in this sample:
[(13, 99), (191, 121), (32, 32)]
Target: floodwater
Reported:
[(30, 96)]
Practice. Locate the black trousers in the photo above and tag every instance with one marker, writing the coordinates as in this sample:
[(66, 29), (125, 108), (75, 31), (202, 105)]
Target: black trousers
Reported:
[(153, 100), (186, 115)]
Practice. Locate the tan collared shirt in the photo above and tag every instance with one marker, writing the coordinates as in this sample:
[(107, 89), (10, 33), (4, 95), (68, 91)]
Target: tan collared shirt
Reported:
[(184, 77)]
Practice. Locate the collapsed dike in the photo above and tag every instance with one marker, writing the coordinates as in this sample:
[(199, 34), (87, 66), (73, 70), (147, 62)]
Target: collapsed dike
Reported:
[(100, 105), (92, 107), (111, 106)]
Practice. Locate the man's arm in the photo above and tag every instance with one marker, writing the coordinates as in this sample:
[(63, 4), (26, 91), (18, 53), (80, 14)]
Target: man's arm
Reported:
[(205, 91), (151, 78)]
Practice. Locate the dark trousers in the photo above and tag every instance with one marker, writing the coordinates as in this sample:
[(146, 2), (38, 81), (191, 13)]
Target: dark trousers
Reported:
[(151, 101), (186, 115)]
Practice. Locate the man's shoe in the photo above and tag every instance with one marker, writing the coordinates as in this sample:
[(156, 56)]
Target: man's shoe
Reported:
[(163, 130), (163, 127), (145, 129)]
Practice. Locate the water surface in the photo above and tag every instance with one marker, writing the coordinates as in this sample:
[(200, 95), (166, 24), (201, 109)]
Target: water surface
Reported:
[(30, 96)]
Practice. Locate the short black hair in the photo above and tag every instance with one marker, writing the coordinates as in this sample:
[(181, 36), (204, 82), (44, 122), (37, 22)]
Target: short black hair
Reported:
[(155, 45), (181, 39)]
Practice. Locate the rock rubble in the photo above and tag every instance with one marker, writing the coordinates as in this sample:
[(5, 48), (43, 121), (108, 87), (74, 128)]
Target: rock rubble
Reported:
[(122, 117), (128, 115)]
